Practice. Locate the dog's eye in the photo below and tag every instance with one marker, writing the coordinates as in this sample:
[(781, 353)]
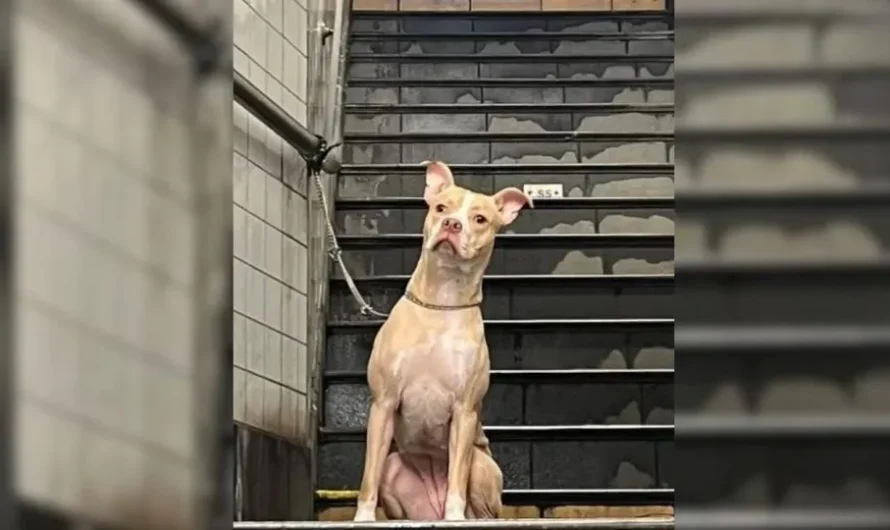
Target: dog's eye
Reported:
[(480, 219), (440, 208)]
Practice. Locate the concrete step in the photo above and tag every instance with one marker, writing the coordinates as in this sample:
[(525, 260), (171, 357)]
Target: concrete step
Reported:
[(630, 515), (499, 42), (577, 180), (533, 433), (349, 348), (516, 21), (567, 254), (442, 89), (620, 464), (526, 297), (508, 109), (542, 503), (508, 65), (505, 152), (579, 253)]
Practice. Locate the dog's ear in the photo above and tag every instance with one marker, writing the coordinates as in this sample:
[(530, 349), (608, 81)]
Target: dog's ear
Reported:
[(438, 178), (510, 201)]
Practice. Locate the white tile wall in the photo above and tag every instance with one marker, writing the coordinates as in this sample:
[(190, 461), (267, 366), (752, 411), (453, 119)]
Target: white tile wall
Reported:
[(108, 115), (270, 224)]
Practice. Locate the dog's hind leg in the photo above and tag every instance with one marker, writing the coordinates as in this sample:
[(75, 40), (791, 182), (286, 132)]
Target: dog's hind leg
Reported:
[(486, 486), (413, 488)]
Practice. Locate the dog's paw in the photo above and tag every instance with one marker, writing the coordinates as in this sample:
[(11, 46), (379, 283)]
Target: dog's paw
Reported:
[(455, 516), (365, 513), (455, 508)]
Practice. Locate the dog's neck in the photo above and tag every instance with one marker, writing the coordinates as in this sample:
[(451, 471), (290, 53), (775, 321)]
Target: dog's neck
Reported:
[(442, 281)]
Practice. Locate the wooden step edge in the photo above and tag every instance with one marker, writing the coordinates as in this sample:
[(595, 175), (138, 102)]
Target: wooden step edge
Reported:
[(346, 513)]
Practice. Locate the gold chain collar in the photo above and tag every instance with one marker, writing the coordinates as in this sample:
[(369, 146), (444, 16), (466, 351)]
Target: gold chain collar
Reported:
[(411, 298)]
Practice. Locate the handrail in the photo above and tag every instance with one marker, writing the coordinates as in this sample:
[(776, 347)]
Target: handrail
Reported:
[(311, 146), (204, 45)]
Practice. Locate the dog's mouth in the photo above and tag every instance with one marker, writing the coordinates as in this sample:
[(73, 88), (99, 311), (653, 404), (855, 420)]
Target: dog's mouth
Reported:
[(445, 245)]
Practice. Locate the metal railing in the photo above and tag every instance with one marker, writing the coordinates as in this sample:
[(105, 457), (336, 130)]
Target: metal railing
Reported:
[(312, 147)]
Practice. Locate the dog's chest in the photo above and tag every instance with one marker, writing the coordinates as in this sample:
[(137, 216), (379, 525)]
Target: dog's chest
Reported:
[(433, 375)]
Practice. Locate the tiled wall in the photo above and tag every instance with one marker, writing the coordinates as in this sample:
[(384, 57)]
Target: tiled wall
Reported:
[(280, 265), (116, 143), (270, 216), (508, 5)]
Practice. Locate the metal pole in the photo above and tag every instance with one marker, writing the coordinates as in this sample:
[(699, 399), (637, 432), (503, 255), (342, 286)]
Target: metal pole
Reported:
[(310, 145), (8, 515)]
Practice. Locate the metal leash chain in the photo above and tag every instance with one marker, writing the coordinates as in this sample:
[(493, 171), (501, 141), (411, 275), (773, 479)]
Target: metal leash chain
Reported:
[(334, 250)]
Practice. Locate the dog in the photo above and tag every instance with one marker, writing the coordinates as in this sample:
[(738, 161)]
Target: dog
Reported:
[(429, 368)]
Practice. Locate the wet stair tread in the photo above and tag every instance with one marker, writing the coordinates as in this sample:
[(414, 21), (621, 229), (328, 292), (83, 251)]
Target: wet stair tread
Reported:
[(865, 195), (531, 58), (536, 433), (546, 497), (798, 74), (633, 16), (745, 427), (487, 136), (517, 169), (556, 376), (785, 270), (537, 324), (835, 132), (513, 241), (662, 522), (358, 36), (511, 82), (496, 108), (418, 203), (535, 280), (769, 339)]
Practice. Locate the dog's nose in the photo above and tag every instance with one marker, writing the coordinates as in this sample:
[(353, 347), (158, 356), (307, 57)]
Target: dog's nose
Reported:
[(451, 224)]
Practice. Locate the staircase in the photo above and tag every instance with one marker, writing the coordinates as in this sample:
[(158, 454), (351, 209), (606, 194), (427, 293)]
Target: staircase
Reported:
[(578, 300)]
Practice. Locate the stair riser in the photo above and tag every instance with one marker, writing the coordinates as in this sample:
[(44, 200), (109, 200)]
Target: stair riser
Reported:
[(555, 46), (346, 406), (593, 152), (587, 221), (525, 261), (586, 185), (590, 69), (572, 94), (504, 23), (528, 303), (539, 464), (534, 350), (629, 122), (346, 513)]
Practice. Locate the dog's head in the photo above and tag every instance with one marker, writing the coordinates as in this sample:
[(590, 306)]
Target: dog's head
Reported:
[(461, 225)]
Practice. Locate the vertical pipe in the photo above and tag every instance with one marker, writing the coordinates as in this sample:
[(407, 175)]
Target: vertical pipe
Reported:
[(8, 516)]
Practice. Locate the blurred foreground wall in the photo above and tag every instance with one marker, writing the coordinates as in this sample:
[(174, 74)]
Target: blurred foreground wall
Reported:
[(782, 157), (280, 273), (122, 232)]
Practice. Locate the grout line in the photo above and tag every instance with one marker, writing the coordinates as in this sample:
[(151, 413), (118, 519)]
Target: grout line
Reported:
[(268, 327), (283, 233), (268, 379)]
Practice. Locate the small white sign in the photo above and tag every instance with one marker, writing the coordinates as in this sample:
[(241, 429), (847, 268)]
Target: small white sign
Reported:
[(543, 191)]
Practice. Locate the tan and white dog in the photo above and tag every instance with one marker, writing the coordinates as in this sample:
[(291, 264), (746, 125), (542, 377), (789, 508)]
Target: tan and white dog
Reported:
[(429, 368)]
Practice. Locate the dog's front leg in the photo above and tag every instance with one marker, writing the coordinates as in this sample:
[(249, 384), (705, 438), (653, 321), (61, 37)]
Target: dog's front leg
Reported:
[(464, 426), (381, 420)]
